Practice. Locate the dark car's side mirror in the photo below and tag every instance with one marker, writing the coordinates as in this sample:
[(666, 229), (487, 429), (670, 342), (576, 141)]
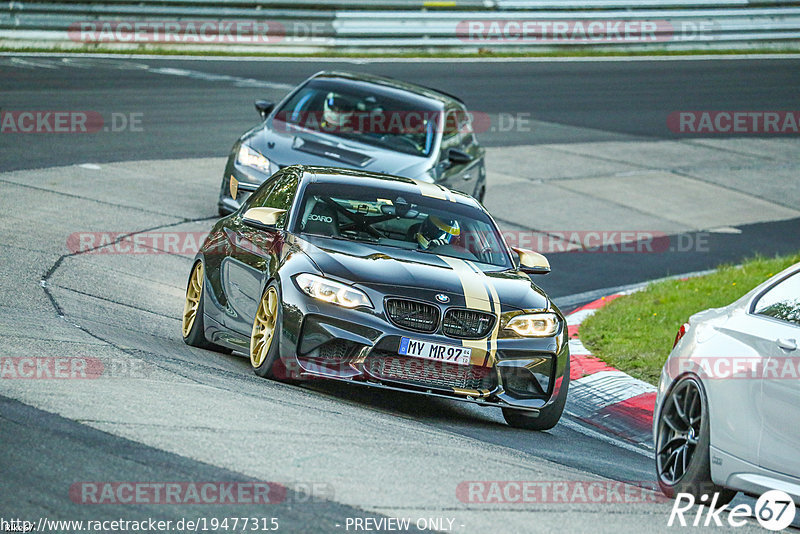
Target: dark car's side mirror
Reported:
[(457, 156), (264, 107), (263, 218), (531, 262)]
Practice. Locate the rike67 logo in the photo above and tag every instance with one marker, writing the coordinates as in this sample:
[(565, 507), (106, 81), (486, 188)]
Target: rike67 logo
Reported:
[(774, 510)]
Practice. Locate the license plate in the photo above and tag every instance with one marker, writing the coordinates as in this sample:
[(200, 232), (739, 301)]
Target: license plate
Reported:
[(435, 351)]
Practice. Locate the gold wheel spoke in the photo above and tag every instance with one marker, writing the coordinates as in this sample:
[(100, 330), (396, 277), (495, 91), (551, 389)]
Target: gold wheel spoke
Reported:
[(272, 304), (263, 328), (194, 292)]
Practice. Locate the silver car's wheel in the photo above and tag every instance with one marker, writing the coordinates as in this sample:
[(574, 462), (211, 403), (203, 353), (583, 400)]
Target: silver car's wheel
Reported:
[(679, 431), (682, 443)]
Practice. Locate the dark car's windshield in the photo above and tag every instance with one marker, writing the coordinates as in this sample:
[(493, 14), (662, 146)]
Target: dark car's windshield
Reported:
[(364, 113), (412, 221)]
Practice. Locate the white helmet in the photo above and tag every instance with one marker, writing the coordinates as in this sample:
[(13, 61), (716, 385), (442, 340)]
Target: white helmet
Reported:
[(337, 110)]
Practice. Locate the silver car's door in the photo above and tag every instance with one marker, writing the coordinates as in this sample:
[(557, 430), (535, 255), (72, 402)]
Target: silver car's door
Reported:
[(457, 167), (778, 309)]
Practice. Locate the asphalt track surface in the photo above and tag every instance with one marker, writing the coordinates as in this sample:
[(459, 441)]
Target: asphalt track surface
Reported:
[(195, 109)]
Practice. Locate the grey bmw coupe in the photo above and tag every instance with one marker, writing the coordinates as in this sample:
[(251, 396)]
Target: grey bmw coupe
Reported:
[(360, 122)]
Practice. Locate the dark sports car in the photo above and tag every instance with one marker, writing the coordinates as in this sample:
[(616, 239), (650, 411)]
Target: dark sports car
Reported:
[(382, 281), (361, 122)]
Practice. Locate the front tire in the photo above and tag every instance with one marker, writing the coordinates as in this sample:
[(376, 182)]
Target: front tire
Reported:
[(683, 460), (548, 417), (192, 326), (265, 337)]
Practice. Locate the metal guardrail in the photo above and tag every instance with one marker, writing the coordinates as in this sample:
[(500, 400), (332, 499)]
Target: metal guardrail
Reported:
[(389, 25)]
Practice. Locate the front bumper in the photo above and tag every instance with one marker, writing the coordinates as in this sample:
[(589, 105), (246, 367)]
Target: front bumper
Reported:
[(321, 340)]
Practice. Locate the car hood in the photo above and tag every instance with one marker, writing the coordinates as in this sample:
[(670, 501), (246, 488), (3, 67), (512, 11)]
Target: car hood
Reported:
[(309, 148), (411, 273)]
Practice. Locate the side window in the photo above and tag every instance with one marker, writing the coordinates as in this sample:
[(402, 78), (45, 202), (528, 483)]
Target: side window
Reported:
[(465, 128), (450, 135), (450, 124), (260, 195), (781, 301), (280, 195)]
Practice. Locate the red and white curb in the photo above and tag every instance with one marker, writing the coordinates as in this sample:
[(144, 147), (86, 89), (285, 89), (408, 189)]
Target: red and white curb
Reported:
[(603, 396)]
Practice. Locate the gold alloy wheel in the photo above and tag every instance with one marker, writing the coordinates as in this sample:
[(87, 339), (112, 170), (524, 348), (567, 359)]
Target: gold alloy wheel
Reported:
[(264, 327), (193, 294)]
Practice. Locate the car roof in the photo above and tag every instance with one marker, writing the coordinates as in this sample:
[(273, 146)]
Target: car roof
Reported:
[(400, 184), (420, 90)]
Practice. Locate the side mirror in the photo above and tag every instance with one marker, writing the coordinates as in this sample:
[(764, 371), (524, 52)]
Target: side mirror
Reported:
[(264, 107), (458, 157), (263, 218), (531, 262)]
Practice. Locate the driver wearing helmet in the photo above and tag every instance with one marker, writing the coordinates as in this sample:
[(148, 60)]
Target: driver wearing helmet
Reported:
[(337, 110), (435, 232)]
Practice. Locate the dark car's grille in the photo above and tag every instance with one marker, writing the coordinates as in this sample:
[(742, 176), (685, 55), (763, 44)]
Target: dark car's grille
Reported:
[(468, 324), (413, 315), (429, 373)]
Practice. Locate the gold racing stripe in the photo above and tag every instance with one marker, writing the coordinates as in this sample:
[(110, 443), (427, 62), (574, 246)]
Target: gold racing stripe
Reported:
[(434, 191), (497, 309), (476, 298)]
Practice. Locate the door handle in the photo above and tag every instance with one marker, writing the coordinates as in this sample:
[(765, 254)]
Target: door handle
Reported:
[(786, 344), (467, 176)]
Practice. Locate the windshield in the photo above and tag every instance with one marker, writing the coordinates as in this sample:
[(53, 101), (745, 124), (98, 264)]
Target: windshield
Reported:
[(362, 113), (409, 221)]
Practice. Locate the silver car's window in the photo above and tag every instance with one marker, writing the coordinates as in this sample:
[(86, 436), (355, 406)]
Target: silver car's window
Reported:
[(781, 301), (401, 220), (358, 113)]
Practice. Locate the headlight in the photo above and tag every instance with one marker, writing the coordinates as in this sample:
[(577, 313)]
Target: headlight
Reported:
[(534, 324), (251, 158), (330, 291)]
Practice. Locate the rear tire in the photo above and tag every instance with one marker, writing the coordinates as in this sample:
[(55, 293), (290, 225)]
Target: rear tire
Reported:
[(192, 326), (548, 416), (683, 458)]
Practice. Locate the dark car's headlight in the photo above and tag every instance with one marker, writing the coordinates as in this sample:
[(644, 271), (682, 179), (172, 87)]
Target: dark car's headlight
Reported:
[(543, 324), (331, 291), (249, 157)]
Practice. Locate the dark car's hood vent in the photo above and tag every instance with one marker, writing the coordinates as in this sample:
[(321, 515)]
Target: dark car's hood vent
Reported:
[(342, 155)]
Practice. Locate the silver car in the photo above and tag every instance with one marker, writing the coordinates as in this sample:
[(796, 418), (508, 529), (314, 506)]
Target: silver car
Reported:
[(362, 122), (727, 416)]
